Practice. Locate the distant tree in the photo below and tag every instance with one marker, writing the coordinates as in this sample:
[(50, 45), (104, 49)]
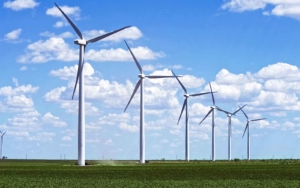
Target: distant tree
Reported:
[(236, 160)]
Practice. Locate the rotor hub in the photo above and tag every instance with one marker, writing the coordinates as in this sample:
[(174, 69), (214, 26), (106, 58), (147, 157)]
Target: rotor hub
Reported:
[(141, 76), (80, 42), (214, 107), (229, 115), (186, 95)]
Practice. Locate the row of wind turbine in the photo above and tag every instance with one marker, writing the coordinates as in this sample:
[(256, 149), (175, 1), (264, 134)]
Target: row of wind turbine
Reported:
[(82, 42)]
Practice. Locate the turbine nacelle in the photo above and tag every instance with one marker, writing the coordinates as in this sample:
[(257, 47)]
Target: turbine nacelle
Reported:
[(229, 115), (186, 95), (214, 107), (80, 42), (141, 76)]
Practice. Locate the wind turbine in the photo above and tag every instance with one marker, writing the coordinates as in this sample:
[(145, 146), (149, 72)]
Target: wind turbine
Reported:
[(2, 134), (212, 110), (140, 84), (229, 115), (248, 127), (186, 106), (82, 42)]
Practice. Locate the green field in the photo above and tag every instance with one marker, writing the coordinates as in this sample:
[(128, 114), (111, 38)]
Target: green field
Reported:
[(37, 173)]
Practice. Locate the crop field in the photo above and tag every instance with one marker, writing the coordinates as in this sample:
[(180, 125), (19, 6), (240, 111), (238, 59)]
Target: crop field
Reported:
[(38, 173)]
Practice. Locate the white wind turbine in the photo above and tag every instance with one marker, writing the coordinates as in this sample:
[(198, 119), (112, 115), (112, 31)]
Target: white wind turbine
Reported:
[(82, 42), (2, 134), (212, 110), (229, 115), (140, 84), (186, 106), (248, 127)]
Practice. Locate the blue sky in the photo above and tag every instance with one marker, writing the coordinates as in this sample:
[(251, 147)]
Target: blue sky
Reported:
[(247, 49)]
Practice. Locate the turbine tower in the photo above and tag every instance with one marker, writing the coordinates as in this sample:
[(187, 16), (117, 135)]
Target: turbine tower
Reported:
[(2, 134), (81, 108), (140, 84), (229, 115), (248, 128), (212, 110), (186, 106)]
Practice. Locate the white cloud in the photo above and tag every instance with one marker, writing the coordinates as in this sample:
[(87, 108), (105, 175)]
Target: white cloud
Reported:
[(69, 11), (19, 101), (130, 128), (109, 142), (176, 67), (244, 5), (13, 35), (288, 8), (23, 68), (59, 24), (67, 73), (56, 48), (66, 138), (279, 71), (72, 107), (49, 119), (131, 33), (148, 68), (20, 4), (66, 34), (54, 95), (24, 89), (15, 81), (42, 136)]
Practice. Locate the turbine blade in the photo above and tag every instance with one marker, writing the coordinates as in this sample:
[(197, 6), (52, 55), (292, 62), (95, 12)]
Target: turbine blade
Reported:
[(212, 95), (105, 35), (156, 76), (135, 60), (133, 93), (258, 119), (78, 73), (184, 104), (206, 115), (4, 133), (197, 94), (180, 83), (238, 109), (245, 128), (243, 112), (70, 22), (223, 110)]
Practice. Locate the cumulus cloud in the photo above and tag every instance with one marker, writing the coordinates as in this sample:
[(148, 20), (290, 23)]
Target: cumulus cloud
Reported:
[(288, 8), (66, 138), (23, 89), (56, 48), (13, 35), (70, 11), (43, 136), (131, 33), (73, 12), (49, 119), (67, 73), (23, 68), (20, 4), (66, 34), (130, 128)]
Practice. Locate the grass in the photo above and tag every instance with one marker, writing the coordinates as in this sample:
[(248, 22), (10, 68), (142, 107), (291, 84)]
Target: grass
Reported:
[(37, 173)]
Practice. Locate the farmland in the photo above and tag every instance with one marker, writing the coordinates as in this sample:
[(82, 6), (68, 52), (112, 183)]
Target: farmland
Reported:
[(49, 173)]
